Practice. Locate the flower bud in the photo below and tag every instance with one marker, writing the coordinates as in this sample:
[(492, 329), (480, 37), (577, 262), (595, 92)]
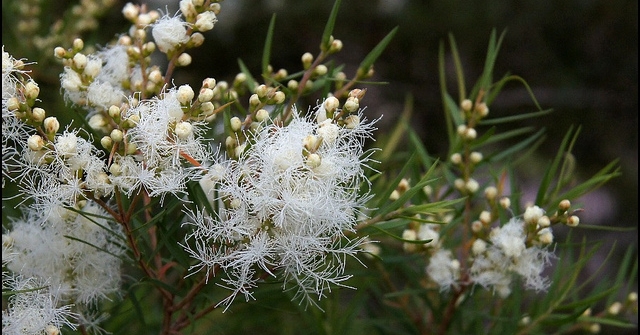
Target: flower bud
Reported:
[(51, 125), (38, 114), (35, 142), (236, 124), (183, 130), (466, 105), (184, 59)]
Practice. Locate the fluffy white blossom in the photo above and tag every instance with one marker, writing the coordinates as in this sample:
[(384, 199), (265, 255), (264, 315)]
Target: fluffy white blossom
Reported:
[(74, 252), (169, 32), (444, 269), (280, 215), (508, 255), (33, 307)]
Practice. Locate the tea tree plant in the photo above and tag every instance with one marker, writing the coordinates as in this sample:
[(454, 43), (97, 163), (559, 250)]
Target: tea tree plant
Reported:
[(167, 208)]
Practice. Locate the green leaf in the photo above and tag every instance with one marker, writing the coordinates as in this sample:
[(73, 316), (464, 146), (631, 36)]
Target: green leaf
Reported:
[(328, 28), (368, 60), (266, 51)]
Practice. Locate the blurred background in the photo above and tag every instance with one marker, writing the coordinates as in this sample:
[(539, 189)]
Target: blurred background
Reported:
[(580, 58)]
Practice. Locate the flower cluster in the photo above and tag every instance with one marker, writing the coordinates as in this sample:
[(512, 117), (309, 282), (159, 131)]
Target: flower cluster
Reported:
[(286, 204)]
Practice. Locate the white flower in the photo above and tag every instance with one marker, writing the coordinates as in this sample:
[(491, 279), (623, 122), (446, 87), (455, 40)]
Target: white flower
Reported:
[(46, 251), (33, 309), (281, 216), (169, 32), (443, 269), (493, 265)]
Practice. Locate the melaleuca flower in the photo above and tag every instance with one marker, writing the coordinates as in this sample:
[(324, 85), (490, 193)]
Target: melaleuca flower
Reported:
[(169, 33), (506, 255), (161, 139), (283, 212), (34, 308), (100, 84), (74, 252)]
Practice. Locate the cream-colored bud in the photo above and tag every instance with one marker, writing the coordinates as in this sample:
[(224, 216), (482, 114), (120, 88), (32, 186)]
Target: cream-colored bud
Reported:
[(184, 130), (254, 100), (130, 11), (143, 20), (351, 121), (209, 83), (564, 205), (466, 105), (336, 45), (475, 157), (544, 221), (456, 158), (185, 94), (351, 105), (307, 59), (459, 184), (313, 161), (125, 40), (462, 129), (472, 185), (476, 226), (106, 142), (231, 141), (131, 148), (615, 308), (155, 76), (331, 104), (51, 125), (479, 246), (184, 59), (320, 70), (505, 202), (595, 328), (31, 90), (117, 135), (532, 214), (214, 7), (262, 115), (485, 217), (632, 297), (490, 192), (281, 74), (35, 142), (97, 121), (236, 123), (196, 39), (482, 109), (115, 169), (470, 134), (240, 149), (206, 94), (279, 97), (78, 44), (13, 104), (545, 236), (311, 143), (292, 85), (59, 52), (38, 114), (525, 320), (573, 221), (240, 78), (80, 61), (207, 107), (262, 90)]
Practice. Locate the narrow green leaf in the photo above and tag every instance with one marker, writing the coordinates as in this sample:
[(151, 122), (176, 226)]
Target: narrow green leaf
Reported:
[(250, 82), (462, 91), (266, 51), (368, 61), (328, 29), (514, 118)]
